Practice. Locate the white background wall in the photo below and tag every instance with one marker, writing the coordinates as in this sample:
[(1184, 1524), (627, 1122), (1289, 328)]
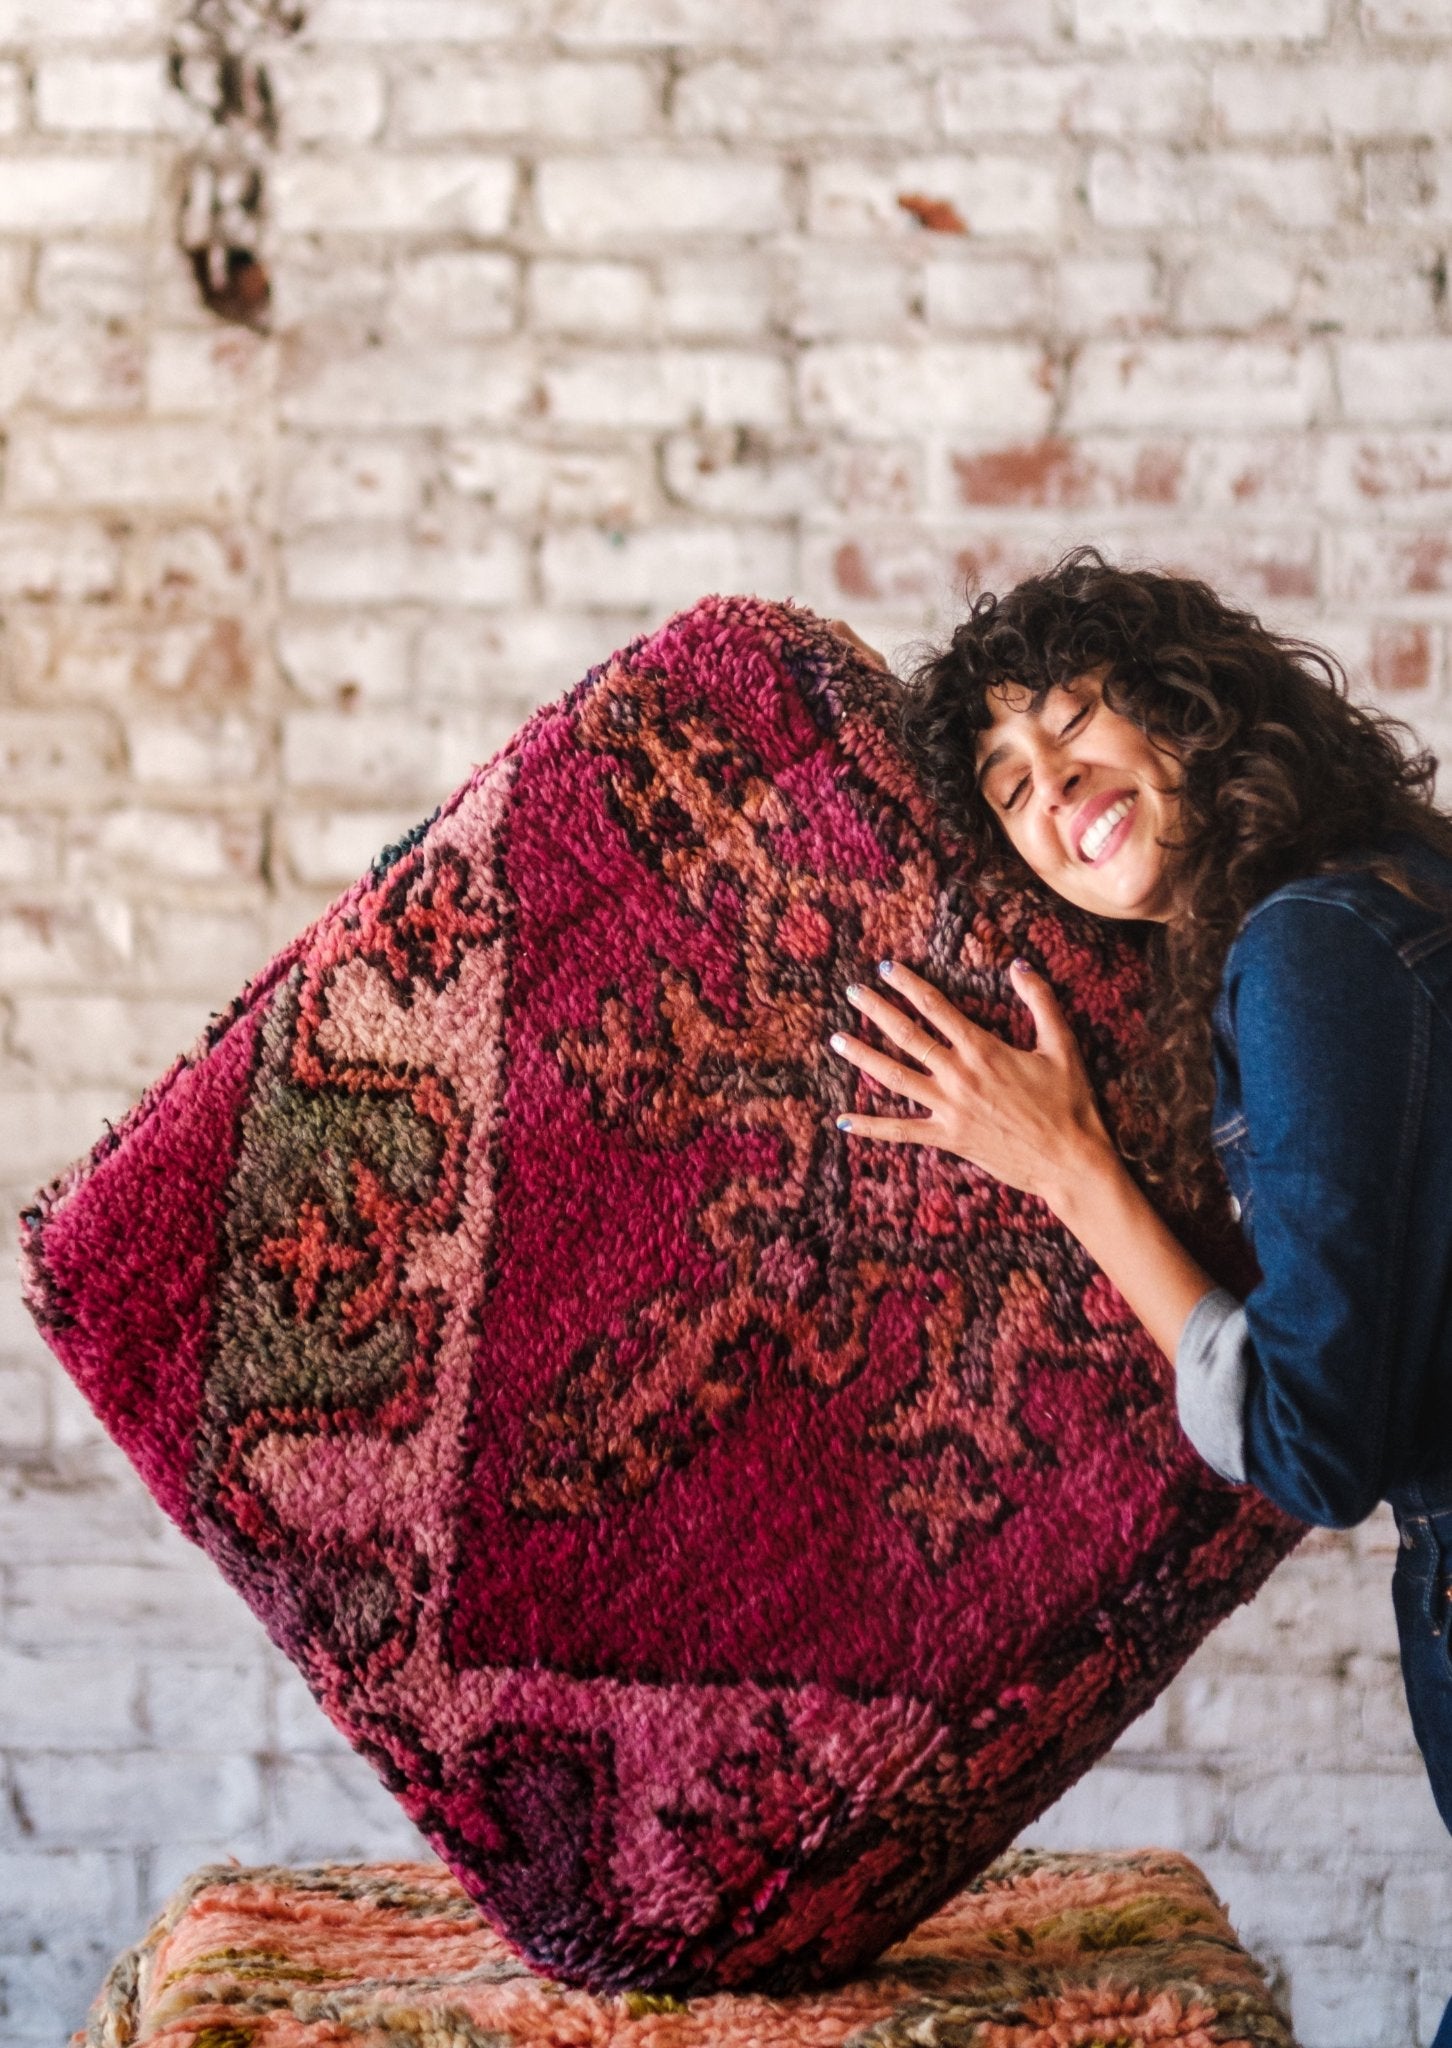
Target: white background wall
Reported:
[(584, 307)]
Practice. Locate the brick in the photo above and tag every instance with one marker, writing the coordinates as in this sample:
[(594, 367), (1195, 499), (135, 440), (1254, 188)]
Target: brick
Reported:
[(72, 1607), (47, 559), (982, 294), (29, 846), (1270, 1906), (195, 371), (404, 385), (302, 1728), (771, 101), (180, 1700), (1346, 2002), (111, 1802), (721, 298), (456, 291), (125, 466), (1236, 288), (45, 946), (992, 195), (346, 660), (664, 567), (522, 481), (39, 194), (1319, 1610), (1371, 294), (376, 753), (43, 21), (1402, 656), (332, 848), (68, 1703), (45, 1129), (1195, 384), (41, 1890), (14, 279), (1433, 1995), (667, 388), (1401, 382), (196, 751), (182, 950), (1151, 188), (56, 1976), (222, 564), (159, 846), (1397, 18), (1143, 98), (1367, 99), (523, 655), (358, 565), (1116, 1806), (541, 101), (376, 194), (48, 750), (1330, 1813), (101, 280), (1265, 1713), (659, 23), (90, 1039), (840, 289), (351, 478), (422, 21), (13, 101), (1089, 473), (875, 477), (333, 1808), (106, 95), (24, 1413), (1097, 294), (867, 388), (741, 476), (1415, 1902), (1406, 184), (637, 198), (1097, 21), (323, 100), (590, 300), (1378, 566), (934, 21)]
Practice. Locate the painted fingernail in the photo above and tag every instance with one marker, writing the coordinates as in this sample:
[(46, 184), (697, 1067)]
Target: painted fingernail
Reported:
[(854, 991), (837, 1042), (884, 967), (844, 1123), (1022, 967)]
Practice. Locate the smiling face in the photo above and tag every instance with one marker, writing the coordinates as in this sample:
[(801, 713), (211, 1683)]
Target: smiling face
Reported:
[(1083, 795)]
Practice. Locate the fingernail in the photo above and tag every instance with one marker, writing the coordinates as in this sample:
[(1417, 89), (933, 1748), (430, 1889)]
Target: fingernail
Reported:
[(884, 967), (844, 1123), (854, 990), (837, 1042), (1022, 967)]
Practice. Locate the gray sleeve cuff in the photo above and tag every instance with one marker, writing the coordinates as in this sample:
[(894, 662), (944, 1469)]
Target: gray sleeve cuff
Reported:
[(1211, 1376)]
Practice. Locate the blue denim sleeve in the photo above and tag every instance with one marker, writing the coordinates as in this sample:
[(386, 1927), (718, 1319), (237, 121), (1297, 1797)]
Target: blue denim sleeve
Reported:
[(1332, 1035)]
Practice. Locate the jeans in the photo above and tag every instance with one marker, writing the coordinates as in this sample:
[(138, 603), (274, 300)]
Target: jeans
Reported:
[(1422, 1597)]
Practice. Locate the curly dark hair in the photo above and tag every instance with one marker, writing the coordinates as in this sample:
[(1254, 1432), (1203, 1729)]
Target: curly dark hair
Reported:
[(1283, 776)]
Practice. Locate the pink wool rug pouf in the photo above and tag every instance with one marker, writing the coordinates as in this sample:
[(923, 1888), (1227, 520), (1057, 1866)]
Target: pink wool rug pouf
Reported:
[(722, 1534)]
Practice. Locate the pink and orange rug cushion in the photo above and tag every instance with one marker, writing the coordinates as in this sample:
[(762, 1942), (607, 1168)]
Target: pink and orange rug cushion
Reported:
[(721, 1533), (1043, 1951)]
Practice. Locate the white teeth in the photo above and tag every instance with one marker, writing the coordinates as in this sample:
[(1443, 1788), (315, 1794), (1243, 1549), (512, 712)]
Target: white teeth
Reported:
[(1092, 842)]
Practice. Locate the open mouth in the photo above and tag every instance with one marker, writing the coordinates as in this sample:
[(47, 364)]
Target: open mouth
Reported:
[(1095, 845)]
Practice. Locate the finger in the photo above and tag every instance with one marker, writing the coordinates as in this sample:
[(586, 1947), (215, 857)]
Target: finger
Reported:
[(914, 1038), (892, 1130), (1052, 1030), (945, 1016), (881, 1067)]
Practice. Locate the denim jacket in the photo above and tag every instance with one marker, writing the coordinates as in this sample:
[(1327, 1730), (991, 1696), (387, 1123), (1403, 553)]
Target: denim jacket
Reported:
[(1330, 1387)]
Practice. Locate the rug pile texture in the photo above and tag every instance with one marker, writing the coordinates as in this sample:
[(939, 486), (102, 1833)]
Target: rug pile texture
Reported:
[(723, 1534), (1043, 1951)]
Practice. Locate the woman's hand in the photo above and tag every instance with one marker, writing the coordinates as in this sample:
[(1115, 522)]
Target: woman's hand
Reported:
[(1028, 1118)]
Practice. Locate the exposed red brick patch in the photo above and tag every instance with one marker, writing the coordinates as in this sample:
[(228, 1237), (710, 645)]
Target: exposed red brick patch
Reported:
[(1395, 468), (854, 577), (940, 215), (1056, 473), (1401, 657), (1429, 563)]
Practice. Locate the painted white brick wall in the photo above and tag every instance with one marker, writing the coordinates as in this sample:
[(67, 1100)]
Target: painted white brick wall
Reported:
[(583, 307)]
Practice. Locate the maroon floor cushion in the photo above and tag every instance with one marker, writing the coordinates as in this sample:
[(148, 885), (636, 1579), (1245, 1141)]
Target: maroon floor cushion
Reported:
[(723, 1534)]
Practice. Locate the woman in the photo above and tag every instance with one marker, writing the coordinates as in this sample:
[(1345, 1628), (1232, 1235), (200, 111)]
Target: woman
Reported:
[(1153, 755)]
